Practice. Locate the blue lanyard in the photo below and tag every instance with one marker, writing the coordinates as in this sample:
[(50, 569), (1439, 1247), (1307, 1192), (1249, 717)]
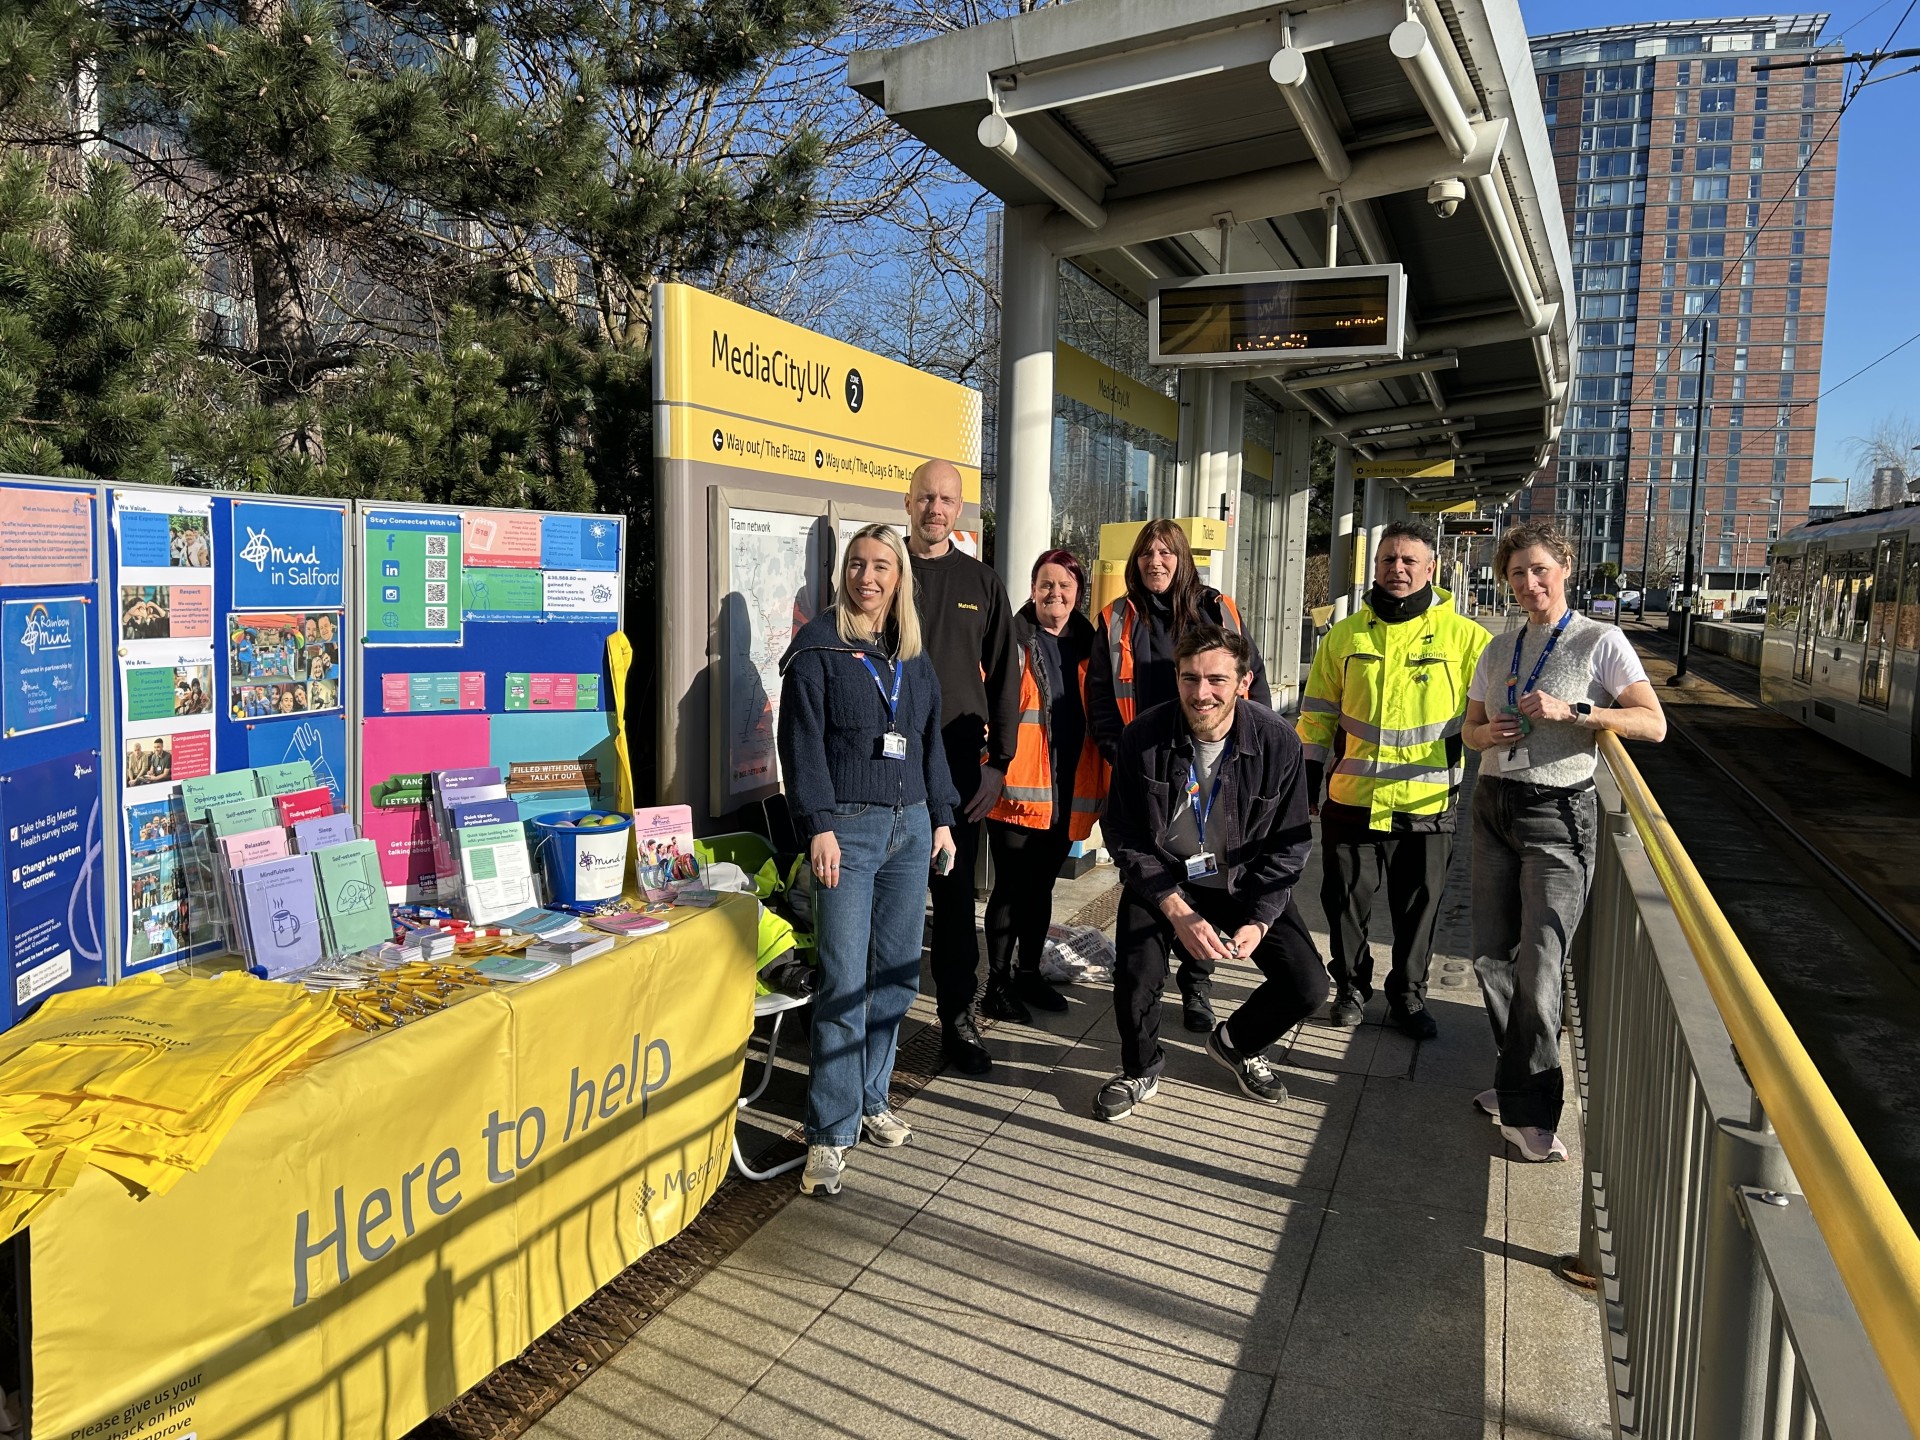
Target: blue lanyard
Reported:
[(1193, 792), (892, 701), (1513, 672)]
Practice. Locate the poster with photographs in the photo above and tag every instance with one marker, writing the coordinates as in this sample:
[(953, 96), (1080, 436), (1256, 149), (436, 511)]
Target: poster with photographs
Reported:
[(282, 663), (164, 660)]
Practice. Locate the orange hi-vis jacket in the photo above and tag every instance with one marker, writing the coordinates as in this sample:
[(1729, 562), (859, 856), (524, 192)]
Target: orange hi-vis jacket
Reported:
[(1027, 798), (1117, 633)]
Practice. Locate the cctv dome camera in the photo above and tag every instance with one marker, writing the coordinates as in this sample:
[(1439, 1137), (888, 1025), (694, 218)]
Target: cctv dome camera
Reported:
[(1445, 197)]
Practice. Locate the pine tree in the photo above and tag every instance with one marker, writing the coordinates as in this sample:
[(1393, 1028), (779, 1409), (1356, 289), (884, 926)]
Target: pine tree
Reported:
[(96, 336)]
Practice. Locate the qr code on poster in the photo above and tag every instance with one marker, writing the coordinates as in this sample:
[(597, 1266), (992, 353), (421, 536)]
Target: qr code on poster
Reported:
[(436, 619), (437, 594), (436, 544), (436, 569)]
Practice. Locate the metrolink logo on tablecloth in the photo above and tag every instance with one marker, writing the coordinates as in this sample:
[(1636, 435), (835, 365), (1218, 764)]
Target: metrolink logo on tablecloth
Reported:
[(291, 566), (45, 632)]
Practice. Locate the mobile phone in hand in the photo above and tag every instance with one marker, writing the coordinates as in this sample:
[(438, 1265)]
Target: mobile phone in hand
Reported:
[(942, 861)]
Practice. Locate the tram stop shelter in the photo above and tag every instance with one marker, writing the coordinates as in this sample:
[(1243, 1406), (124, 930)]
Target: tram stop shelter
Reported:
[(1152, 143)]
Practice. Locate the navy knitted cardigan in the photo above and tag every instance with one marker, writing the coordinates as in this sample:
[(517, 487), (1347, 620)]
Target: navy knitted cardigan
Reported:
[(832, 717)]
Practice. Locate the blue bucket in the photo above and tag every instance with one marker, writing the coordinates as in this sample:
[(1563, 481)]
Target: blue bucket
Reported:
[(583, 866)]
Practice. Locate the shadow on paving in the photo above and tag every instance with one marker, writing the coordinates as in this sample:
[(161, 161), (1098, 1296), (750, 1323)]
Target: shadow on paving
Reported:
[(1365, 1260)]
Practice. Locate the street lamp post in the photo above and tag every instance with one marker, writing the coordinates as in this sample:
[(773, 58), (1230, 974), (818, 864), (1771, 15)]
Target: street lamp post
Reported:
[(1693, 504), (1646, 544)]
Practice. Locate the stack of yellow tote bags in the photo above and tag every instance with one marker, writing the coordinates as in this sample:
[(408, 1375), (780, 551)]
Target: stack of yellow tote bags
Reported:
[(143, 1080)]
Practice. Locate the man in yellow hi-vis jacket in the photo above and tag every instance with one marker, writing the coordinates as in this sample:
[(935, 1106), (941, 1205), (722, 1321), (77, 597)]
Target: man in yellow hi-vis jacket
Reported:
[(1381, 721)]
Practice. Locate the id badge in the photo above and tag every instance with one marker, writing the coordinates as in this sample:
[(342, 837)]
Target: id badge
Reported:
[(893, 745), (1515, 759), (1202, 865)]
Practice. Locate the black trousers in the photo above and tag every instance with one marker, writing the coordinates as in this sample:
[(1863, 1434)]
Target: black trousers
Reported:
[(1295, 985), (1025, 865), (1414, 870), (956, 935)]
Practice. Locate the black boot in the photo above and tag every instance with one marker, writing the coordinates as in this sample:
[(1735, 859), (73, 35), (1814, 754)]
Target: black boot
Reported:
[(1196, 1006), (1034, 988), (961, 1048), (1001, 1003)]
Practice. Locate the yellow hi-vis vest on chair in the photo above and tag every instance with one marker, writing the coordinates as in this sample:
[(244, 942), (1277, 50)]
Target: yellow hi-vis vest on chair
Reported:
[(1397, 694)]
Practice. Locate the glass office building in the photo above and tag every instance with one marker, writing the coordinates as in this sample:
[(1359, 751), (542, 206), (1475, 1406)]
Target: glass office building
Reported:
[(1699, 201)]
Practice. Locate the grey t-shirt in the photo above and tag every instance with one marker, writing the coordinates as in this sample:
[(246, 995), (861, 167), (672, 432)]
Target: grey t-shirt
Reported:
[(1183, 837)]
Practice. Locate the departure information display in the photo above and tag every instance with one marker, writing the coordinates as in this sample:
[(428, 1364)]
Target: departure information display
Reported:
[(1356, 312)]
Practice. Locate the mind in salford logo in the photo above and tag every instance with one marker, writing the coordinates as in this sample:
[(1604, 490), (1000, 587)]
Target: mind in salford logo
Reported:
[(289, 555)]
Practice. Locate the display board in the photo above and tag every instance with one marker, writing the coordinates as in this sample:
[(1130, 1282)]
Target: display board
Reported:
[(228, 648), (483, 642), (53, 820), (789, 424)]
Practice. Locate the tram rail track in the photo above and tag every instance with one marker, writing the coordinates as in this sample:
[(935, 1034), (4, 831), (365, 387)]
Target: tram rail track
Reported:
[(1810, 851)]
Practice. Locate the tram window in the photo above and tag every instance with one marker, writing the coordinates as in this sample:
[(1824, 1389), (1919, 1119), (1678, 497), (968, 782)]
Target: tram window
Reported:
[(1860, 570), (1783, 592), (1906, 635)]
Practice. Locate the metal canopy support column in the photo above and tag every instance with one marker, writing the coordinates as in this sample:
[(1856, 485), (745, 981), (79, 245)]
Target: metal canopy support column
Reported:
[(1293, 490), (1340, 560), (1029, 315), (1219, 496), (1195, 391), (1374, 518)]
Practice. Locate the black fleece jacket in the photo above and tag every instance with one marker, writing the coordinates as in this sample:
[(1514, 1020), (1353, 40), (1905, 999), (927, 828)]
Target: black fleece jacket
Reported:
[(1258, 828)]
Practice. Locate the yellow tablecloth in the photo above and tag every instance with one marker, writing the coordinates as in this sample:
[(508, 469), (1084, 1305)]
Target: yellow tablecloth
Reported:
[(392, 1221)]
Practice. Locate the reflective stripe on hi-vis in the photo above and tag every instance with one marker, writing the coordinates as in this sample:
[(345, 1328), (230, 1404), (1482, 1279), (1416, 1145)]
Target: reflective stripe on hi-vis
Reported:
[(1314, 753), (1117, 615), (1312, 705), (1028, 794), (1383, 770), (1086, 805), (1389, 738), (1029, 717)]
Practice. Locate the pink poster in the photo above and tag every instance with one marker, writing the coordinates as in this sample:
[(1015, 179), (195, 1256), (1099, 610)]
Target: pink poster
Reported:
[(46, 537), (502, 538), (192, 613), (402, 746)]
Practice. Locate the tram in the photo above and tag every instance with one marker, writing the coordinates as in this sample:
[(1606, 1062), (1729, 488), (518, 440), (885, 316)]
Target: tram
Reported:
[(1842, 646)]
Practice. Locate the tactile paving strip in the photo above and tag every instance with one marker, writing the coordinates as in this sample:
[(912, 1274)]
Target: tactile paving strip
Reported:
[(510, 1400)]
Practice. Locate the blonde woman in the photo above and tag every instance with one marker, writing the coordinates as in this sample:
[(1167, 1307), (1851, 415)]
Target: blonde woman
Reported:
[(866, 779)]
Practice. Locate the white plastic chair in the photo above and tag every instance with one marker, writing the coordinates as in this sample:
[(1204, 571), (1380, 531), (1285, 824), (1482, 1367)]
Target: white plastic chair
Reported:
[(777, 1006)]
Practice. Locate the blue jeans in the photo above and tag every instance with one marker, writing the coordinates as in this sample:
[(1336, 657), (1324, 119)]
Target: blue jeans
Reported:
[(1533, 852), (867, 930)]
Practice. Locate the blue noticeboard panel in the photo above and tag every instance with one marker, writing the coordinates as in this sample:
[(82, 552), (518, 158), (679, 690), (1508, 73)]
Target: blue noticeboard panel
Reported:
[(52, 820), (525, 623), (245, 653)]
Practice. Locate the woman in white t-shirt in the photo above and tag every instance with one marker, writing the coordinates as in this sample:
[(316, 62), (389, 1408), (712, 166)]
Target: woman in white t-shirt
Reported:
[(1535, 706)]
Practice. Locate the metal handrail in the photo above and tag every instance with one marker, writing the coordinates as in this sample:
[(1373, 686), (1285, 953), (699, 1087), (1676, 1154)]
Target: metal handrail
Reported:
[(1873, 1247)]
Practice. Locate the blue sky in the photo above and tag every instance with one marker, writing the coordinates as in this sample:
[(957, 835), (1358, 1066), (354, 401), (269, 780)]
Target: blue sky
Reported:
[(1873, 297)]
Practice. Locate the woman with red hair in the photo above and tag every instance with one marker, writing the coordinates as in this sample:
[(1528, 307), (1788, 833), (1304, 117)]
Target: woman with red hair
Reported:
[(1055, 787)]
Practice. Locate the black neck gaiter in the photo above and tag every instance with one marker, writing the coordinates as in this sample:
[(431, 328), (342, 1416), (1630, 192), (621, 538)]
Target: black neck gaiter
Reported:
[(1394, 608)]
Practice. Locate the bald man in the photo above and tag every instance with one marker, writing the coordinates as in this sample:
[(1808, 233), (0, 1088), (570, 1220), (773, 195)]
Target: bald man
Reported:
[(967, 623)]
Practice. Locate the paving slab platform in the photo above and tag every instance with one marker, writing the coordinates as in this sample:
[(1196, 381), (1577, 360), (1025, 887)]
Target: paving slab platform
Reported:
[(1368, 1259)]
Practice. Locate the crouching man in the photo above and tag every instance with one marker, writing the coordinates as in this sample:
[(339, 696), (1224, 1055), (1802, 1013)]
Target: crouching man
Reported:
[(1207, 821)]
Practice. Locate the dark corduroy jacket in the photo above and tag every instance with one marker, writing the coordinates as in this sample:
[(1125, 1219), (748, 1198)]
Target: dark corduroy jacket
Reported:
[(832, 717), (1258, 829)]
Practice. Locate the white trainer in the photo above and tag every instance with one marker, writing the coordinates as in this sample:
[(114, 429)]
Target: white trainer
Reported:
[(825, 1165), (1487, 1102), (1534, 1143), (886, 1129)]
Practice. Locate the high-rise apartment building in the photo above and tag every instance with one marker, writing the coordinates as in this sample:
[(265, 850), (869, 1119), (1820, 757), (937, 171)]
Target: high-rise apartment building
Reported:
[(1699, 201)]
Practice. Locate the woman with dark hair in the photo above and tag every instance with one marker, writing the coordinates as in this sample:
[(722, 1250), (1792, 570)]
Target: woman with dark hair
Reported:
[(1054, 791), (1133, 671)]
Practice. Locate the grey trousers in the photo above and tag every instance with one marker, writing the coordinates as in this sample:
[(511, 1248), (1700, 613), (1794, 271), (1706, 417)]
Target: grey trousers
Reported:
[(1533, 850)]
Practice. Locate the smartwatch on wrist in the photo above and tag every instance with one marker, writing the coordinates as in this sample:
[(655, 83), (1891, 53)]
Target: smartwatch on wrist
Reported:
[(1582, 712)]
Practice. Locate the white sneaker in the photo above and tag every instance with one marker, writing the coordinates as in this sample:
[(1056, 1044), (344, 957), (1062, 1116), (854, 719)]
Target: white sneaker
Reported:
[(1487, 1102), (886, 1128), (825, 1165), (1534, 1143)]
